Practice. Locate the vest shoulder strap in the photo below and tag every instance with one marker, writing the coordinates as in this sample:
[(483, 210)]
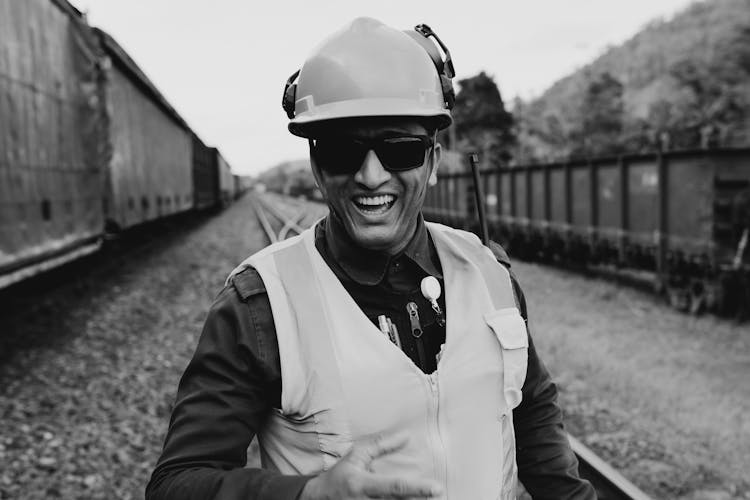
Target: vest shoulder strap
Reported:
[(497, 250), (495, 273), (264, 253)]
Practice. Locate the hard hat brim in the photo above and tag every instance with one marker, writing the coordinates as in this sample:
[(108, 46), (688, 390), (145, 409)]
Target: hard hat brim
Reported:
[(305, 123)]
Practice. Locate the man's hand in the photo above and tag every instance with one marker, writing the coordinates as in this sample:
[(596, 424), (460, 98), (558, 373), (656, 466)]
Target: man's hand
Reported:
[(351, 478)]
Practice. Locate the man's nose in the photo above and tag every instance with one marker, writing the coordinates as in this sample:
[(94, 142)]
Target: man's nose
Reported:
[(372, 174)]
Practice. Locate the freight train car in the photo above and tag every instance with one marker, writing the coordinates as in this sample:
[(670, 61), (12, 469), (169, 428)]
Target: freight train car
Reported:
[(679, 215), (150, 173), (238, 186), (50, 166), (88, 145), (205, 176), (226, 181)]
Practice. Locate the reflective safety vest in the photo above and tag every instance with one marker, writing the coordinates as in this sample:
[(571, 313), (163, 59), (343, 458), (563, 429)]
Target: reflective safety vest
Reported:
[(344, 381)]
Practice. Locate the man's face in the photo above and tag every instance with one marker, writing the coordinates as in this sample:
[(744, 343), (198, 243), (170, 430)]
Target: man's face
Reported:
[(377, 207)]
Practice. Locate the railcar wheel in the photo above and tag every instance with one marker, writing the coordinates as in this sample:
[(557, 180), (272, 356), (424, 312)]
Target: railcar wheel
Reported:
[(678, 297)]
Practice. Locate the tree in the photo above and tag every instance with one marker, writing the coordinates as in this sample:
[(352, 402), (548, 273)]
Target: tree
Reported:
[(712, 94), (481, 120), (686, 85), (602, 117)]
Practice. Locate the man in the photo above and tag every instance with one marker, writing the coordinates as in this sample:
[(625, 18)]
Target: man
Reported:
[(375, 356)]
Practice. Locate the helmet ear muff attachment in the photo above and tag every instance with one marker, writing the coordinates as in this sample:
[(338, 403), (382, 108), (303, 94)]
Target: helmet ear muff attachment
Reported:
[(290, 95), (448, 93), (421, 34)]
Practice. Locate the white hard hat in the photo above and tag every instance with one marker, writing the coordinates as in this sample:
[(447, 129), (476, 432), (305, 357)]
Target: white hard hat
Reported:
[(368, 69)]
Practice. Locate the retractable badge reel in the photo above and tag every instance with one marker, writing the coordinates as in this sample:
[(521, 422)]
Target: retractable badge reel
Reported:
[(431, 291)]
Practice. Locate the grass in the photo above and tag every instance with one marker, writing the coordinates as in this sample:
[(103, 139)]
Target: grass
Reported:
[(680, 381)]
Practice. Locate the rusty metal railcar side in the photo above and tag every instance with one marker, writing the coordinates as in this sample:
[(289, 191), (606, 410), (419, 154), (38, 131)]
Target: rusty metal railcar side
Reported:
[(730, 182), (680, 215), (205, 176), (226, 182), (238, 187), (50, 117), (150, 169), (643, 206)]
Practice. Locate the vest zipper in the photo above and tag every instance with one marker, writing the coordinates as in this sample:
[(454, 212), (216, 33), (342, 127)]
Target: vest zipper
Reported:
[(416, 332), (442, 467)]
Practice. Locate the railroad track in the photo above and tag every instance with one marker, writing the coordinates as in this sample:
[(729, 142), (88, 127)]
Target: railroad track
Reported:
[(608, 482), (294, 223)]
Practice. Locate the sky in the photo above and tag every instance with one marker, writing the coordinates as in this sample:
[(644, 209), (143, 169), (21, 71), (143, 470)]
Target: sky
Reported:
[(223, 64)]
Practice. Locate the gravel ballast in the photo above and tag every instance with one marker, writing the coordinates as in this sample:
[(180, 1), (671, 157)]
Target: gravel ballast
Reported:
[(84, 415)]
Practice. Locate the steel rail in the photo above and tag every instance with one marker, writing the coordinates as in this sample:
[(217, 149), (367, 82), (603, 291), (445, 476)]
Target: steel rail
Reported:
[(607, 481), (262, 207), (264, 222), (293, 225), (284, 219)]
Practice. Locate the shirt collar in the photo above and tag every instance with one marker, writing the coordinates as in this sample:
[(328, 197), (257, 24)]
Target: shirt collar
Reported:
[(369, 267)]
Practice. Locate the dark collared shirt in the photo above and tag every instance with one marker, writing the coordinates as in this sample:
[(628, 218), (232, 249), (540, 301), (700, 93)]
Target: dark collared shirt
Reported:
[(234, 380), (383, 285)]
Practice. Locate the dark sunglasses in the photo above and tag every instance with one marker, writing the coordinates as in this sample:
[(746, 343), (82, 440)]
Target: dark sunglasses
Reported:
[(345, 155)]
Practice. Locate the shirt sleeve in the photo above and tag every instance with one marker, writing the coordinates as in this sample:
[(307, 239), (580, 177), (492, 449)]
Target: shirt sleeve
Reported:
[(223, 397), (547, 466)]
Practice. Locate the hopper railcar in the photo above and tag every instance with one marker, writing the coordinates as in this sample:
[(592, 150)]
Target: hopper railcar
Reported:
[(150, 171), (226, 179), (683, 217), (51, 172), (88, 145), (239, 186), (205, 176)]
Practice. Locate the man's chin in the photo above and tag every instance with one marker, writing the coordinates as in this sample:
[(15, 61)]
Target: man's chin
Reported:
[(375, 240)]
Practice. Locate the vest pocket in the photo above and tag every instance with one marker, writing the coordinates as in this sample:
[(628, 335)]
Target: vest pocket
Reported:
[(510, 330)]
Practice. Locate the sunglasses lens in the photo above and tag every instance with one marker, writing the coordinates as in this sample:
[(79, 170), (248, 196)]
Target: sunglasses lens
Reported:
[(402, 153), (339, 156)]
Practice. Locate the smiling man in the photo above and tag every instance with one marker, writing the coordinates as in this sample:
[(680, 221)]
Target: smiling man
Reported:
[(375, 355), (378, 202)]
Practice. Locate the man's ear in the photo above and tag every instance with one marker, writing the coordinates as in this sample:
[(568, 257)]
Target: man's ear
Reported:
[(437, 154)]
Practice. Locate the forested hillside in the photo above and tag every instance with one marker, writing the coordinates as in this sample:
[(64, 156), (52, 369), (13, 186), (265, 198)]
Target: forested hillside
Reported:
[(682, 83), (677, 84)]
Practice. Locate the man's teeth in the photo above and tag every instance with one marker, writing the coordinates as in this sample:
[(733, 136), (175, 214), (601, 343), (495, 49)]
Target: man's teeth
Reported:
[(374, 200)]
